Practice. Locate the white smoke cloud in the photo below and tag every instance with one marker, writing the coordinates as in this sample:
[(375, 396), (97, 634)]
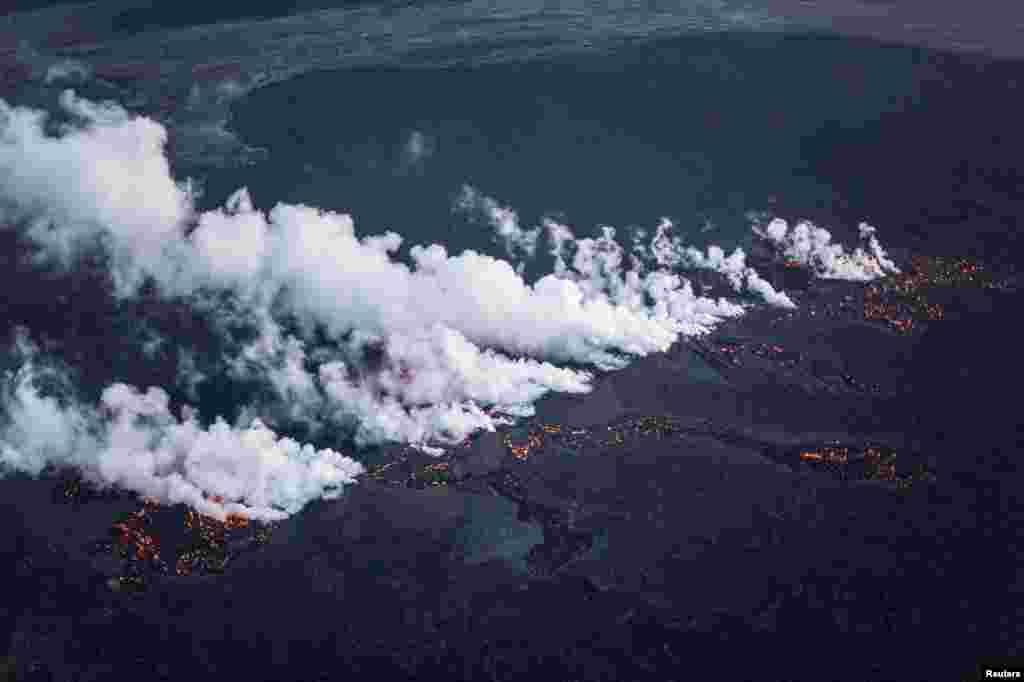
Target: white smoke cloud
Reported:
[(189, 375), (597, 270), (134, 441), (103, 180), (560, 237), (812, 246), (665, 248), (503, 220), (668, 250), (806, 244), (67, 70), (885, 263), (446, 323), (739, 274), (430, 386), (279, 358), (435, 385), (348, 335), (463, 337), (37, 429), (417, 148)]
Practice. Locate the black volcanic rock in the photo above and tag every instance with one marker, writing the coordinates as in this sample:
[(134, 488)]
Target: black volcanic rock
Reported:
[(616, 545), (597, 407), (486, 454)]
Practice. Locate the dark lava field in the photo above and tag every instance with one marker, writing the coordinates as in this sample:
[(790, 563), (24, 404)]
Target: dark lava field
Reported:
[(838, 498)]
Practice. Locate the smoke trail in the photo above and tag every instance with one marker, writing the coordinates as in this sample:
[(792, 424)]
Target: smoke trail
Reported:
[(503, 220), (347, 335), (132, 440), (812, 246)]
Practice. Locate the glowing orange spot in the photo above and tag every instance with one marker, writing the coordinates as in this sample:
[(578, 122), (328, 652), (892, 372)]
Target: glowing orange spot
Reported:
[(236, 521)]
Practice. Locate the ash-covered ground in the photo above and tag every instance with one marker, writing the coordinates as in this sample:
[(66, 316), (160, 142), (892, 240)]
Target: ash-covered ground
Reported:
[(834, 496)]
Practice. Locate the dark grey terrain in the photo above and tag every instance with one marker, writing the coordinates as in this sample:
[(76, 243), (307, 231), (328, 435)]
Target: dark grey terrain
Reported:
[(670, 529), (651, 559)]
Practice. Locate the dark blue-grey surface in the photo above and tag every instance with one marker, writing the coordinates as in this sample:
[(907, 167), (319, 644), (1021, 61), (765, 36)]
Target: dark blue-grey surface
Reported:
[(703, 553)]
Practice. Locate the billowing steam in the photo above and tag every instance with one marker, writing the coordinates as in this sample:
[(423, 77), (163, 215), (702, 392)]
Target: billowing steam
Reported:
[(134, 441), (667, 250), (503, 220), (349, 336), (813, 247)]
